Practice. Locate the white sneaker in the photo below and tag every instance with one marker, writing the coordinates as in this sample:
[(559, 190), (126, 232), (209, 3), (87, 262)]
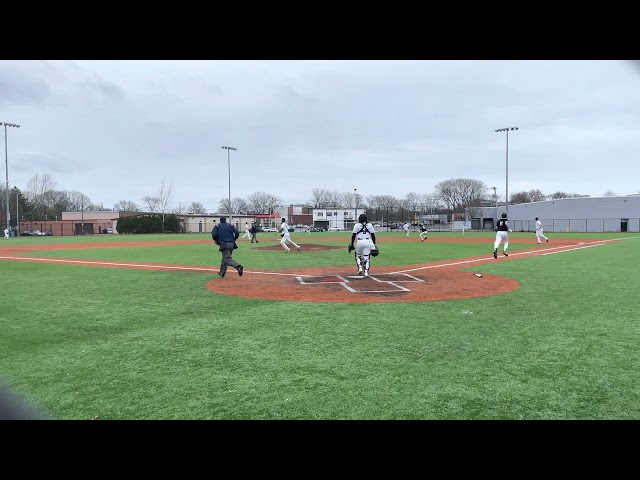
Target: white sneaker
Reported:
[(359, 272), (366, 274)]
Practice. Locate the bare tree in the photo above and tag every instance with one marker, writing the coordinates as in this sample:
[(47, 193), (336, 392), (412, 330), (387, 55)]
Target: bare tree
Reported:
[(520, 197), (77, 201), (126, 206), (152, 203), (527, 197), (383, 202), (196, 208), (329, 199), (460, 193), (609, 193), (412, 202), (558, 195), (240, 206), (165, 197), (261, 202), (40, 193)]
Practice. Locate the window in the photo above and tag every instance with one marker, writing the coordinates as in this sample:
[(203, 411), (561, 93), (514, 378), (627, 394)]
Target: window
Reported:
[(329, 214), (320, 214)]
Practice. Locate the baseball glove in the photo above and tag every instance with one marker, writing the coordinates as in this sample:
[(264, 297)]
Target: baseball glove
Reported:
[(350, 248), (282, 235), (375, 252)]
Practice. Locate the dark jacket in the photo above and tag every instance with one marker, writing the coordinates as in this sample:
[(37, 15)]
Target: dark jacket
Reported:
[(224, 233)]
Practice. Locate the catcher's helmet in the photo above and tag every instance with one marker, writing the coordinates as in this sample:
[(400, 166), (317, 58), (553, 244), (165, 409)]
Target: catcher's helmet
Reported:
[(362, 218), (504, 215)]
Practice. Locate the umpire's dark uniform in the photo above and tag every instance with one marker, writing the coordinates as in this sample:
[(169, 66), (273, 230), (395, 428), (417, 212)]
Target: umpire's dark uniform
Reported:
[(225, 235)]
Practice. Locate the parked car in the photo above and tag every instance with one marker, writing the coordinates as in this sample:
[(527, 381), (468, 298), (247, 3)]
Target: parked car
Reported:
[(26, 233), (334, 229), (316, 229), (38, 233), (269, 229)]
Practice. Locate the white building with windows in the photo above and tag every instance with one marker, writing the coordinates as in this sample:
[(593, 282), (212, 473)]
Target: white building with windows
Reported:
[(336, 218)]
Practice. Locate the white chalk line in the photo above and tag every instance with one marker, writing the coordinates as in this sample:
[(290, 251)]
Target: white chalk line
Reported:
[(215, 270)]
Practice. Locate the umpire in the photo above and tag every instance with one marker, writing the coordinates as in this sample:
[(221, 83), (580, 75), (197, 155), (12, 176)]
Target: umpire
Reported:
[(225, 235)]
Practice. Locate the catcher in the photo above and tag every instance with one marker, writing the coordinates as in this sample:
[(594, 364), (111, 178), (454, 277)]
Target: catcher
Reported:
[(366, 245)]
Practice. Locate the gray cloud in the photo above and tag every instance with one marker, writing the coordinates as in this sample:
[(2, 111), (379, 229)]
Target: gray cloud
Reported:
[(114, 129)]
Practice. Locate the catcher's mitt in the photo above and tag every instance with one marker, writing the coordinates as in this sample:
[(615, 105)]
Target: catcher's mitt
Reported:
[(374, 252), (350, 248)]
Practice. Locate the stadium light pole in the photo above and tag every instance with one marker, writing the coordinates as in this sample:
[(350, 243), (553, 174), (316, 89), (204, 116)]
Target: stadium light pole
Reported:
[(355, 210), (495, 199), (6, 159), (18, 195), (506, 190), (228, 149)]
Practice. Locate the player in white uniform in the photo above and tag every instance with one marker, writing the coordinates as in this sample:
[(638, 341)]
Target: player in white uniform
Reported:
[(405, 227), (366, 241), (247, 231), (6, 234), (540, 231), (286, 237)]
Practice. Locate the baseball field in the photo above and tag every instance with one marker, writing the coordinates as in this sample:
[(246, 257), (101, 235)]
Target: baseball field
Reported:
[(141, 327)]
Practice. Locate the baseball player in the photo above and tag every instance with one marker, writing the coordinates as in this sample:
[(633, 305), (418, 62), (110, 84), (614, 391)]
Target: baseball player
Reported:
[(366, 241), (423, 233), (6, 234), (540, 231), (405, 227), (286, 237), (502, 235), (247, 231)]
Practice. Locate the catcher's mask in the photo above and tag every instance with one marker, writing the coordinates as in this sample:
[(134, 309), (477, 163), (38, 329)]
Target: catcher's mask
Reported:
[(362, 218)]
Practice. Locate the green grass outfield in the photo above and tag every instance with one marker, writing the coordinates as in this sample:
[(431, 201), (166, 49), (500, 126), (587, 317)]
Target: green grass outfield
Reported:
[(88, 342)]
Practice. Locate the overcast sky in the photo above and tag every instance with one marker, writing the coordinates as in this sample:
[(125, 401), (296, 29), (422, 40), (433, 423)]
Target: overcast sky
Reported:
[(114, 130)]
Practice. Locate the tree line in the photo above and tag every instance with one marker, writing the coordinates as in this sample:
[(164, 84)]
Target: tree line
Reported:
[(41, 201)]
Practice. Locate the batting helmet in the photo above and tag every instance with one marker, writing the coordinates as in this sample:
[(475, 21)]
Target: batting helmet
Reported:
[(283, 220), (504, 215), (362, 218)]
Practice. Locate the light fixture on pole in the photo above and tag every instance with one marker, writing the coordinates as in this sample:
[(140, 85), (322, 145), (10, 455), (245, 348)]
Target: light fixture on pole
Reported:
[(6, 159), (506, 190), (227, 148)]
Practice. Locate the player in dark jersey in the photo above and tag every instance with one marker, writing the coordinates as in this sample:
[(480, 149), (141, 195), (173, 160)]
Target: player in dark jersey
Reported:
[(423, 232), (502, 235)]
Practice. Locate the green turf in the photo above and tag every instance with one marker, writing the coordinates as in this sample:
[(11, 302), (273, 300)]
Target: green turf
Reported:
[(99, 343)]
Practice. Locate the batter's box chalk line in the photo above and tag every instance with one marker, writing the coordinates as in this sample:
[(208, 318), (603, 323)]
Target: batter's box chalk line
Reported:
[(359, 284)]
